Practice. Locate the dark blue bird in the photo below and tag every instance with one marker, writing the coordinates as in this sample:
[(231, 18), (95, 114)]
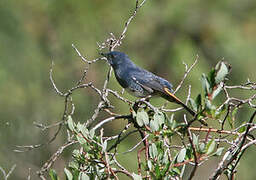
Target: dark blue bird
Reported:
[(140, 82)]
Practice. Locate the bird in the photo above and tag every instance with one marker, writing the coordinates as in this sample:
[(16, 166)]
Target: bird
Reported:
[(138, 81)]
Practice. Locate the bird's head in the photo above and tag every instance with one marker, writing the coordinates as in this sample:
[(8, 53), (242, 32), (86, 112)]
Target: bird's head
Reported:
[(115, 58)]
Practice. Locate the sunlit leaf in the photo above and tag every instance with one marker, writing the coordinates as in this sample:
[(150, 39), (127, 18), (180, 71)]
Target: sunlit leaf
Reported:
[(159, 117), (149, 165), (195, 141), (154, 125), (219, 151), (181, 155), (242, 129), (221, 72), (210, 146), (92, 132), (74, 165), (80, 139), (76, 152), (142, 118), (216, 91), (68, 174), (201, 147), (83, 176), (84, 130), (53, 174), (153, 150), (226, 156), (193, 104), (104, 146), (136, 176), (205, 84), (176, 170), (209, 105), (70, 123), (165, 157)]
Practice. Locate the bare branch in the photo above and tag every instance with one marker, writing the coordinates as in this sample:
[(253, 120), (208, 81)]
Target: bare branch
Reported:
[(53, 158), (187, 70)]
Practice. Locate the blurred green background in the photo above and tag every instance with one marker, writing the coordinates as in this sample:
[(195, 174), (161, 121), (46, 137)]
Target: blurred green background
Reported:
[(161, 37)]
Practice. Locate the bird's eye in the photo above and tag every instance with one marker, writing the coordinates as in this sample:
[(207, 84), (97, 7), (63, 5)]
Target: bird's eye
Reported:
[(113, 56)]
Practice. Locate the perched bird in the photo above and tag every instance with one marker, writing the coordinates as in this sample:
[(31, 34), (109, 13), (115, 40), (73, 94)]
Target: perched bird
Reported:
[(140, 82)]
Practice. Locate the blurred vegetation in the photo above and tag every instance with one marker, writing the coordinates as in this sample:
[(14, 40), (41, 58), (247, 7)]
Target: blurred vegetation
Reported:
[(161, 37)]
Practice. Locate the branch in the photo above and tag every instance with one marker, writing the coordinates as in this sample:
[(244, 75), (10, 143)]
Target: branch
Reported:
[(118, 42), (187, 70), (53, 158), (224, 163)]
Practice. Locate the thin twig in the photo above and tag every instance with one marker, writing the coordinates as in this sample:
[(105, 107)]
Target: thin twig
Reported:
[(186, 73), (53, 158), (134, 147)]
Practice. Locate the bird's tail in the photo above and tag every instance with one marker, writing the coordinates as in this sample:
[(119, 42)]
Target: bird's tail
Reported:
[(172, 98)]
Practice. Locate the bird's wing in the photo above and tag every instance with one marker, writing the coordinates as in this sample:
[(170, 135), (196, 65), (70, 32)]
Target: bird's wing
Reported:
[(155, 84), (151, 82)]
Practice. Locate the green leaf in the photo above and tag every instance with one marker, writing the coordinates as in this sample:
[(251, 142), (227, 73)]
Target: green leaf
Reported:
[(154, 126), (150, 165), (211, 78), (142, 118), (170, 121), (84, 130), (221, 72), (201, 147), (70, 124), (242, 129), (195, 141), (80, 139), (209, 105), (83, 176), (210, 146), (193, 104), (92, 133), (205, 84), (53, 174), (74, 164), (174, 124), (176, 171), (136, 176), (198, 101), (165, 157), (219, 151), (165, 169), (68, 174), (104, 146), (216, 91), (76, 153), (181, 155), (227, 156), (159, 117), (157, 171), (153, 150)]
